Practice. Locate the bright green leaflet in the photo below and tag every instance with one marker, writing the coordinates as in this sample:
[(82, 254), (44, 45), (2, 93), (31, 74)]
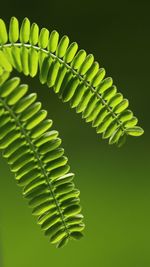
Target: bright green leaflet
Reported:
[(33, 150)]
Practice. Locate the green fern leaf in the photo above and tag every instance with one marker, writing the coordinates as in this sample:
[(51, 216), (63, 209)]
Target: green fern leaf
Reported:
[(28, 127), (33, 150)]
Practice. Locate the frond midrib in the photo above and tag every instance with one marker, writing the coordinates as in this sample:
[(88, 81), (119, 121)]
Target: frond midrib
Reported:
[(80, 77), (37, 157)]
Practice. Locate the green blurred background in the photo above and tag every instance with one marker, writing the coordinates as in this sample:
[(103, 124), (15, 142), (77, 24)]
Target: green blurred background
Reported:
[(114, 183)]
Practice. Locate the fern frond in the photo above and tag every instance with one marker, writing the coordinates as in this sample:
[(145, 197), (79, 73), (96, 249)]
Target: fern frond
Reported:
[(34, 154), (33, 150), (73, 75)]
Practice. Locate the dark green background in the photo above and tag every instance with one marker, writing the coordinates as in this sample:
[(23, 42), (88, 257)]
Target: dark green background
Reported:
[(114, 183)]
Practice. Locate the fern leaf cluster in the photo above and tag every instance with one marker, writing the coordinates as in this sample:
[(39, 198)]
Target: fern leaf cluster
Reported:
[(73, 74), (31, 148)]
